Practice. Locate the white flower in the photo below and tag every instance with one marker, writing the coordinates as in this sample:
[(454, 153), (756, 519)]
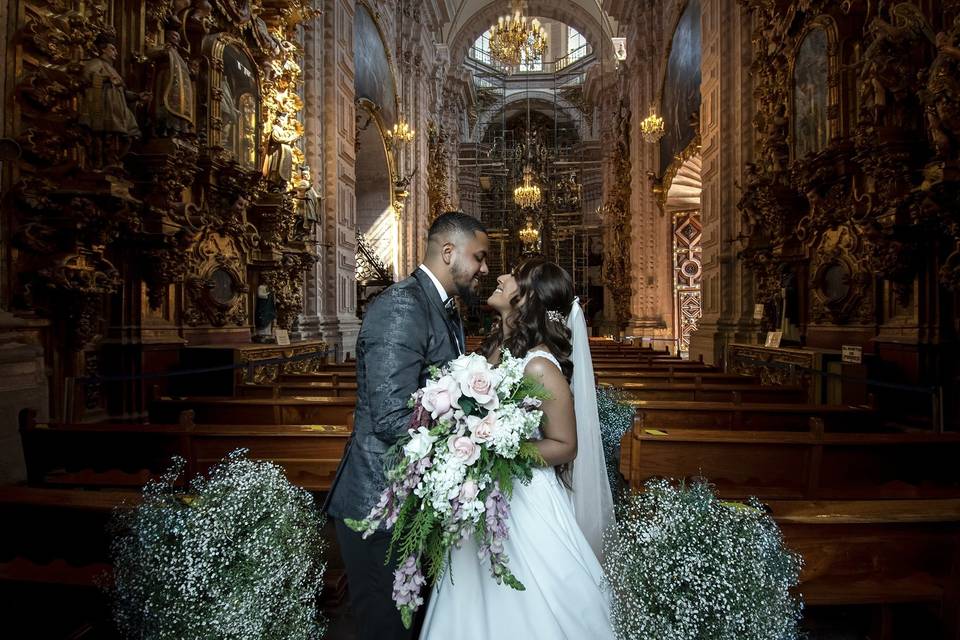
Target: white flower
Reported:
[(477, 380), (440, 397), (482, 429), (421, 443)]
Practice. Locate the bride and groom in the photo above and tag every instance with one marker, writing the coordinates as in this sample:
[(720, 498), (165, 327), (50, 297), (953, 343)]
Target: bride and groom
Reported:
[(556, 521)]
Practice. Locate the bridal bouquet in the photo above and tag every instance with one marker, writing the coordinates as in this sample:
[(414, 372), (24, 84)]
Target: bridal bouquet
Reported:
[(452, 475)]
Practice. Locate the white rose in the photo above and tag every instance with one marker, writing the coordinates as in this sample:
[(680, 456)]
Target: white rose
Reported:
[(440, 397), (479, 381), (420, 445)]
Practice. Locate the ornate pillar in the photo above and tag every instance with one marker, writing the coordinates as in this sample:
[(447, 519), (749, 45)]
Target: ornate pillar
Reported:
[(339, 324), (652, 303), (725, 129), (313, 98)]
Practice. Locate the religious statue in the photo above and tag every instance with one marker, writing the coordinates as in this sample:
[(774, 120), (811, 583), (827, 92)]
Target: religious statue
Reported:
[(104, 108), (941, 96), (264, 313), (172, 110), (230, 119), (309, 198), (278, 165)]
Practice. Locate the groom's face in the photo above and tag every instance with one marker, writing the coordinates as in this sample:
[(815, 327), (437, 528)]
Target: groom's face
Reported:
[(468, 263)]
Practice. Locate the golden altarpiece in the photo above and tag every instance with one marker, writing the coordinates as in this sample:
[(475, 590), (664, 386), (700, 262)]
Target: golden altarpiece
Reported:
[(159, 185), (850, 206)]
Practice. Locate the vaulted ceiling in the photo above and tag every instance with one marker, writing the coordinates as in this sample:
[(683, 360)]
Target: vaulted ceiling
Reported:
[(470, 18)]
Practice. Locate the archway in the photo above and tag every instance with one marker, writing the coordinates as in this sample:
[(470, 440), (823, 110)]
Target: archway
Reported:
[(377, 221), (682, 204)]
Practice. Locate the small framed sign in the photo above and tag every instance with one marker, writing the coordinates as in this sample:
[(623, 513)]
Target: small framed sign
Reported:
[(773, 339), (758, 312), (851, 354), (283, 338)]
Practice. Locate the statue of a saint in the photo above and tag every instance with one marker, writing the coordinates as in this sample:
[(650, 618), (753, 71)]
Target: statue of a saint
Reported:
[(104, 107), (172, 110), (309, 198)]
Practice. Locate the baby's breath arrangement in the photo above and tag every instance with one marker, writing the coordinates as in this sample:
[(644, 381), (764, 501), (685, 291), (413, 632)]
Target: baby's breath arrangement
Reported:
[(237, 554), (685, 566), (616, 418)]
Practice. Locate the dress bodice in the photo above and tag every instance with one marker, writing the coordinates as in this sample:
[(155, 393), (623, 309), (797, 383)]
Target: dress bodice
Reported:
[(540, 353)]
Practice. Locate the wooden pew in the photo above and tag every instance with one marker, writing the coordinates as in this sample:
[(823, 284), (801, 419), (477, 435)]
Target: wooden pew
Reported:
[(661, 414), (736, 393), (307, 409), (884, 553), (126, 455), (291, 389), (807, 465), (619, 378), (328, 377), (650, 364)]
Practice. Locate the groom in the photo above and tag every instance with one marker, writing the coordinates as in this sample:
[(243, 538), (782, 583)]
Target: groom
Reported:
[(408, 327)]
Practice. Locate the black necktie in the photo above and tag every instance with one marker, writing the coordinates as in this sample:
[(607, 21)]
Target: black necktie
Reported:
[(454, 314)]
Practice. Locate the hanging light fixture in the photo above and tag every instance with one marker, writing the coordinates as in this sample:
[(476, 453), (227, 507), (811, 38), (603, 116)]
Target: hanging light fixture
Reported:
[(652, 127), (529, 236), (401, 132), (527, 195), (515, 39)]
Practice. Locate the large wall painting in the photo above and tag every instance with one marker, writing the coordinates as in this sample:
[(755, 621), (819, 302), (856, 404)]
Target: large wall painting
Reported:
[(681, 87), (810, 132), (373, 78)]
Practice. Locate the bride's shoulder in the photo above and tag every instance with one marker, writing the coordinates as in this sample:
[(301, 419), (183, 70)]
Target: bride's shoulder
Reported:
[(540, 361)]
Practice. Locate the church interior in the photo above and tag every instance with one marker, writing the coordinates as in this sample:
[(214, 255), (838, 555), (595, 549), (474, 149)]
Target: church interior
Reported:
[(758, 202)]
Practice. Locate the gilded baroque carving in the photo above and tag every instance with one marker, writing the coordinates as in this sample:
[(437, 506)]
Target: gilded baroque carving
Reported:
[(616, 273), (866, 205), (438, 179)]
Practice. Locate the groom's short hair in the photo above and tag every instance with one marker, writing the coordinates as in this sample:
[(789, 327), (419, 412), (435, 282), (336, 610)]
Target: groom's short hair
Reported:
[(451, 222)]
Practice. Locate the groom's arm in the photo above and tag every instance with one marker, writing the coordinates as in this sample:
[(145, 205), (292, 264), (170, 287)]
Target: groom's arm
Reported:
[(396, 347)]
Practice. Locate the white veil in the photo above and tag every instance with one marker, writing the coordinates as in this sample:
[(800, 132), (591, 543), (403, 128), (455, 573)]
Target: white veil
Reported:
[(592, 499)]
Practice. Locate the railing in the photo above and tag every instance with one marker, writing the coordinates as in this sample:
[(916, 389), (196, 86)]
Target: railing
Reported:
[(485, 58)]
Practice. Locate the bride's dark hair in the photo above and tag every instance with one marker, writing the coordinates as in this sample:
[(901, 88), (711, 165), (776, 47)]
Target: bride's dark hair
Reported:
[(542, 287)]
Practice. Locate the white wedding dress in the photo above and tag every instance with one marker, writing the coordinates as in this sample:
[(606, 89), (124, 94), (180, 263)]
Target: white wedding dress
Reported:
[(565, 596)]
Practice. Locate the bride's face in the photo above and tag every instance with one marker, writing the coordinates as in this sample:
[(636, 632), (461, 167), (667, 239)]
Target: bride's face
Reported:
[(504, 293)]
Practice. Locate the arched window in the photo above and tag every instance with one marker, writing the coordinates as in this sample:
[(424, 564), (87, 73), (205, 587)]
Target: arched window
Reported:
[(576, 44)]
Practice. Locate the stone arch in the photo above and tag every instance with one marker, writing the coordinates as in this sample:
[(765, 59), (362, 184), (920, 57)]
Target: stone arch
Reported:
[(538, 98)]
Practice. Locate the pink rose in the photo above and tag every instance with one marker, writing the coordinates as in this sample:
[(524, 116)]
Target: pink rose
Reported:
[(482, 429), (479, 381), (469, 491), (464, 449), (440, 397)]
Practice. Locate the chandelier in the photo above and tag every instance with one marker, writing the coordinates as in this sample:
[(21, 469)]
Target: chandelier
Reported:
[(527, 195), (514, 40), (529, 236), (401, 132), (652, 127)]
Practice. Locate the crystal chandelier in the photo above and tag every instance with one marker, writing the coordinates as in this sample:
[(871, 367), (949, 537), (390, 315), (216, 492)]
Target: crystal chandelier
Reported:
[(515, 40), (529, 236), (527, 195), (652, 127), (401, 132)]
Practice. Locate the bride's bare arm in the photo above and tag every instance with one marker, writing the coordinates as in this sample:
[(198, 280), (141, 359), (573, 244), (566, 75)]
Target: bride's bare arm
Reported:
[(559, 427)]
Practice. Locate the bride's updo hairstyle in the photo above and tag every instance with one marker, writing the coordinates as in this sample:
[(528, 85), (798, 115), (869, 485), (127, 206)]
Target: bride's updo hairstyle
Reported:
[(544, 289)]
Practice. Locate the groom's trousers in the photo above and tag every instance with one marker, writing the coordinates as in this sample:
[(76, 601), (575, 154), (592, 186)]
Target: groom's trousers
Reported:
[(370, 583)]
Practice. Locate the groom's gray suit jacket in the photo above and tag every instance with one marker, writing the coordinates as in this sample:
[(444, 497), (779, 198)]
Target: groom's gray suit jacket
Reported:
[(405, 330)]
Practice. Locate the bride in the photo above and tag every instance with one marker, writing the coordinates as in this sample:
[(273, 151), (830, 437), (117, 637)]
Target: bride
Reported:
[(556, 522)]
